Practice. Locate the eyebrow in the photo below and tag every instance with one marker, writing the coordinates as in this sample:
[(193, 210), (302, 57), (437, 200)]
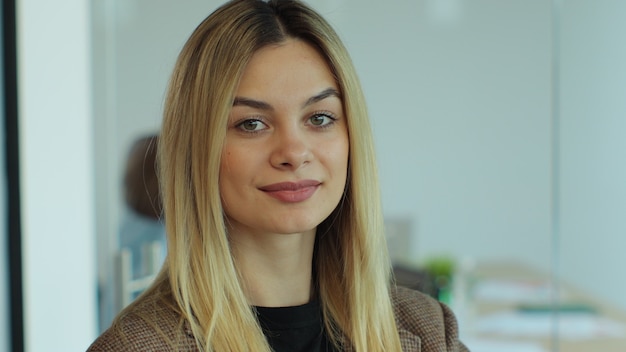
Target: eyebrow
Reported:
[(256, 104), (328, 92), (261, 105)]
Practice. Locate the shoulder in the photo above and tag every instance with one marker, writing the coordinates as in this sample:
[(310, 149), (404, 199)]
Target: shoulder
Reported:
[(130, 333), (424, 317), (146, 327), (412, 307)]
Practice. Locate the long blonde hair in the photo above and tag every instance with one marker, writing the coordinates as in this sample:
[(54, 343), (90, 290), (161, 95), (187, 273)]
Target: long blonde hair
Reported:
[(351, 267)]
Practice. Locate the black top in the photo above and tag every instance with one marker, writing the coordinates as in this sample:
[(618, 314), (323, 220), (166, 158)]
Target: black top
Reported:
[(295, 329)]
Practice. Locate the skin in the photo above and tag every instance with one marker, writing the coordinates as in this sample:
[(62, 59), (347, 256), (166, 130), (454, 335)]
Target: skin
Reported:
[(286, 126)]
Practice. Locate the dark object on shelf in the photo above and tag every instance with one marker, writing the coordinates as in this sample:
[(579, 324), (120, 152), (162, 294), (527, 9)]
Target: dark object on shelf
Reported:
[(416, 279)]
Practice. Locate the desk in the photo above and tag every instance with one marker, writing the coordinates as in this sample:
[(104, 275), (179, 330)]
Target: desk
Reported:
[(512, 272)]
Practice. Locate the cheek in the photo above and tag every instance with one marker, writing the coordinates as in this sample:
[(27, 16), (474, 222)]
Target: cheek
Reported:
[(225, 181), (235, 167), (226, 162), (344, 151), (225, 175), (339, 158)]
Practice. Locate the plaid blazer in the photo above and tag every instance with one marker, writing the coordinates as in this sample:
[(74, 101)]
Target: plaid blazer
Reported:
[(424, 325)]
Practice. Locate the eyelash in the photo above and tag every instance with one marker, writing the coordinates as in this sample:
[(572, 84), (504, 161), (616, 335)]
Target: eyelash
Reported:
[(327, 114), (239, 125)]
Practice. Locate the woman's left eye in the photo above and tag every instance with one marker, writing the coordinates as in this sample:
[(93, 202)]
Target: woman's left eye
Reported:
[(251, 125), (321, 120)]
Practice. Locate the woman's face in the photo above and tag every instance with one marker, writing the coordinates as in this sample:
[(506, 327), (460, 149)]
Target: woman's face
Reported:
[(285, 158)]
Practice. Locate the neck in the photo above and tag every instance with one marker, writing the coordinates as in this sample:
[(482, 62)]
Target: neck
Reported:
[(276, 268)]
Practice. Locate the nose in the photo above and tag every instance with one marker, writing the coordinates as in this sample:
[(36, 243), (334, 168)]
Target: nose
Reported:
[(291, 150)]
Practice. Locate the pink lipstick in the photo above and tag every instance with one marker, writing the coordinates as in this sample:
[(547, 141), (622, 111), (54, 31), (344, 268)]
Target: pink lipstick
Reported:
[(292, 192)]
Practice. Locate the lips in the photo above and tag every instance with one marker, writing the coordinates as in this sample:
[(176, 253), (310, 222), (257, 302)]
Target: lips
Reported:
[(291, 192)]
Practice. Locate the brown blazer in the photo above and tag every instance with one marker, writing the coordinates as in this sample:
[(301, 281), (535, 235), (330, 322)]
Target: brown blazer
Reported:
[(424, 325)]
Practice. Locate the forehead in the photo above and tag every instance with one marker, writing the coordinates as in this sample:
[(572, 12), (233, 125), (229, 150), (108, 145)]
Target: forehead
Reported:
[(292, 67)]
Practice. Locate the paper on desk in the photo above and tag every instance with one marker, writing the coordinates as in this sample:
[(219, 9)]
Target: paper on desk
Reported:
[(571, 326), (490, 345)]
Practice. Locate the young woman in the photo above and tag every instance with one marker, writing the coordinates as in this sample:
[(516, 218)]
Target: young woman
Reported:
[(275, 232)]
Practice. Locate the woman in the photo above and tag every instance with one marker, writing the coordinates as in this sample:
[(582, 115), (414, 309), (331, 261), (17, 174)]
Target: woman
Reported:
[(275, 233)]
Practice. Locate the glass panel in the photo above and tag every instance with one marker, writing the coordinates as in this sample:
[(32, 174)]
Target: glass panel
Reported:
[(475, 159), (135, 46)]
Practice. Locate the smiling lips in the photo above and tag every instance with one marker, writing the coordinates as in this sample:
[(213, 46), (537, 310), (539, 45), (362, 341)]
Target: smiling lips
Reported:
[(292, 192)]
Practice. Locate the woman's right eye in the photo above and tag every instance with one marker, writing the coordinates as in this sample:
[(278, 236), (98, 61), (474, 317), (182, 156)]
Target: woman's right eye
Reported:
[(251, 125)]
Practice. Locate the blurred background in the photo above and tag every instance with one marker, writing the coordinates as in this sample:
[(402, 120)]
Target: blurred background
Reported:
[(499, 128)]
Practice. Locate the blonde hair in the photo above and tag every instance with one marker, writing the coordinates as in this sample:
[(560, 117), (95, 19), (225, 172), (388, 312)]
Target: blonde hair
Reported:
[(351, 267)]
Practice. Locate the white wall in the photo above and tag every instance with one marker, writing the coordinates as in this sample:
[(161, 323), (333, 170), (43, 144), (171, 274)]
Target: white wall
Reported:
[(57, 174), (459, 93), (593, 142)]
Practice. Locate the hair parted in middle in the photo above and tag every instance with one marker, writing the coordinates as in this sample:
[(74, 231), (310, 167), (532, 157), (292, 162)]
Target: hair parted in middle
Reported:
[(351, 266)]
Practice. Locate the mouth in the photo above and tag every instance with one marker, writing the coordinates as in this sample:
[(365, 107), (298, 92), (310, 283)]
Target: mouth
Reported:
[(290, 186), (292, 192)]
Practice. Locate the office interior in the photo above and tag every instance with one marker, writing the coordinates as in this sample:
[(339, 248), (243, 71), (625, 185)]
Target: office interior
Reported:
[(499, 129)]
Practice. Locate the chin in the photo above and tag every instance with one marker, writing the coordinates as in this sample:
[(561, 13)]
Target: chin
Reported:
[(294, 230)]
